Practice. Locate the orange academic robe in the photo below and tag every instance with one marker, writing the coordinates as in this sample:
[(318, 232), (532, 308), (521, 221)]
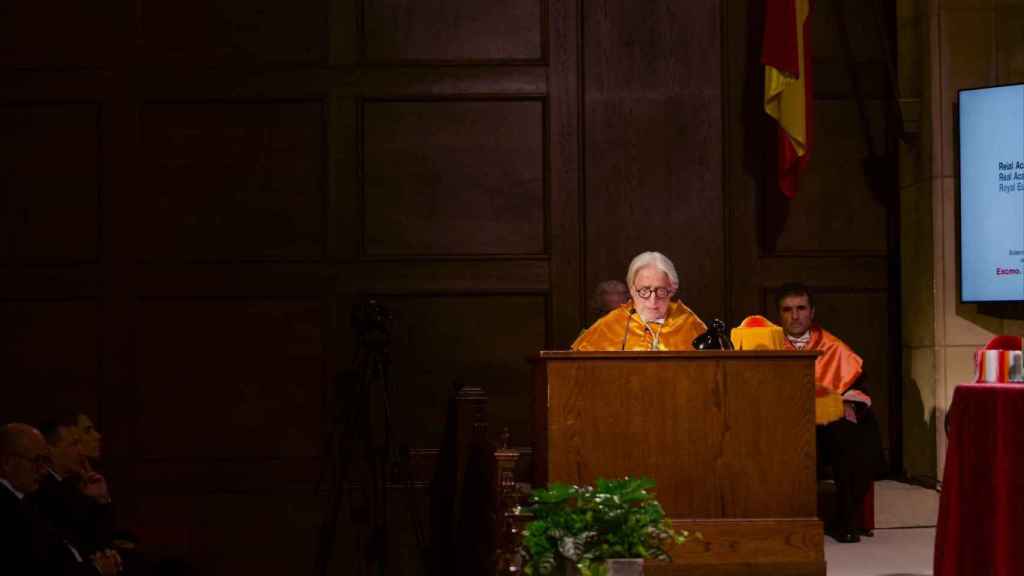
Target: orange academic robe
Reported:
[(619, 327), (835, 371)]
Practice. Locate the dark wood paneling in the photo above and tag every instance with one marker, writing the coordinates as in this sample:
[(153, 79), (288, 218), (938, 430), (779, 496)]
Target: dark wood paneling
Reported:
[(278, 529), (566, 185), (452, 276), (50, 354), (229, 378), (471, 178), (867, 49), (452, 30), (236, 31), (275, 528), (232, 280), (232, 180), (49, 170), (468, 80), (450, 339), (836, 212), (273, 532), (653, 123), (344, 169), (64, 34), (51, 283)]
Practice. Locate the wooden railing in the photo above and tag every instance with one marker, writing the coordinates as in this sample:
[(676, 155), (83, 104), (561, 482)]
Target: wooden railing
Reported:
[(475, 494)]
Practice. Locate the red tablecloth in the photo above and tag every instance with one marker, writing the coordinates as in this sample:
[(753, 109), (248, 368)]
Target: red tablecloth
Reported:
[(981, 511)]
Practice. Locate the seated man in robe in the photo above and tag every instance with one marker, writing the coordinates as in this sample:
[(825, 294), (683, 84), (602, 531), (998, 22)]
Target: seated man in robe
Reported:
[(650, 320), (848, 436)]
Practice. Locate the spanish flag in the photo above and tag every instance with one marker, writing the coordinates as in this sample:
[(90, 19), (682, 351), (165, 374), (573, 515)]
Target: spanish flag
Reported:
[(788, 94)]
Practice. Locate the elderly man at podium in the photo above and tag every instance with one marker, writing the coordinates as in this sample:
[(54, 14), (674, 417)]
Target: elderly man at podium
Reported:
[(650, 320)]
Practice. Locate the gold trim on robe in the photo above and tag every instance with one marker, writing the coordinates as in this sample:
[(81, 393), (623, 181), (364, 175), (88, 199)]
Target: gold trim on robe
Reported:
[(676, 333)]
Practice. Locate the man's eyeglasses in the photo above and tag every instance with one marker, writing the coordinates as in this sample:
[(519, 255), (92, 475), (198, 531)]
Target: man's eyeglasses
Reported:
[(659, 293)]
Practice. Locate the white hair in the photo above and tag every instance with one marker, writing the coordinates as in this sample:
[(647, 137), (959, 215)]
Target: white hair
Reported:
[(656, 259)]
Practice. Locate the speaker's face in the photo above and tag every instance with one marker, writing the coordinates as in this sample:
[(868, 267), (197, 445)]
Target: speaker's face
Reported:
[(652, 291)]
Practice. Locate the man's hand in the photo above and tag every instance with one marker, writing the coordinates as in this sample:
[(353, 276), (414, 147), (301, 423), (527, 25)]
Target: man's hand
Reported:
[(107, 562), (94, 485)]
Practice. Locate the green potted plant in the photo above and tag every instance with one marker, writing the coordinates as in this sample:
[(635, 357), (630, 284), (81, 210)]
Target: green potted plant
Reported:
[(584, 526)]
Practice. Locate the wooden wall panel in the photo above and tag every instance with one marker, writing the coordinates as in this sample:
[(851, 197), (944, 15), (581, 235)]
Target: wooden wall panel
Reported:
[(50, 173), (236, 31), (452, 30), (63, 34), (471, 178), (836, 212), (256, 169), (50, 352), (444, 340), (565, 159), (272, 532), (653, 124), (278, 528), (344, 169), (229, 378)]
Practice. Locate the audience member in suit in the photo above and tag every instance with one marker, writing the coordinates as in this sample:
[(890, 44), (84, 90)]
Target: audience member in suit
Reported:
[(76, 500), (71, 496), (28, 544)]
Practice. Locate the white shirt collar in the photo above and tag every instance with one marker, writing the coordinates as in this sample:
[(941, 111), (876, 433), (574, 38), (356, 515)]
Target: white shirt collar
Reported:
[(800, 342), (19, 495)]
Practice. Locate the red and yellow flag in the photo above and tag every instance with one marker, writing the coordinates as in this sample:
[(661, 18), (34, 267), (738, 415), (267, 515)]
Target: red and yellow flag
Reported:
[(788, 95)]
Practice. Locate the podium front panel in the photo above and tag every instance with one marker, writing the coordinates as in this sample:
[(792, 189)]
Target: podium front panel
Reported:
[(724, 434)]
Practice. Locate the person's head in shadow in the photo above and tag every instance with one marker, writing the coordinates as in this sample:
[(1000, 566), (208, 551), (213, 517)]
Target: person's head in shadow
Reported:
[(66, 444), (24, 457), (608, 295), (89, 437)]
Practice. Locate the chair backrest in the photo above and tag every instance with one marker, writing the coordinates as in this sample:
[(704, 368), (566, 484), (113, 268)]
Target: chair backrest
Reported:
[(758, 333), (1005, 343)]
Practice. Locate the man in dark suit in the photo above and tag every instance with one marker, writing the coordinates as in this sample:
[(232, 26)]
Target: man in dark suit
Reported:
[(71, 497), (28, 544)]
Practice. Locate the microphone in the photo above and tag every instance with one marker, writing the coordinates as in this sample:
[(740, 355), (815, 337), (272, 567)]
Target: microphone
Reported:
[(714, 339), (625, 333)]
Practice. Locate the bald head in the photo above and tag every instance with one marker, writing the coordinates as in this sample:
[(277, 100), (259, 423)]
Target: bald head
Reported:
[(24, 456)]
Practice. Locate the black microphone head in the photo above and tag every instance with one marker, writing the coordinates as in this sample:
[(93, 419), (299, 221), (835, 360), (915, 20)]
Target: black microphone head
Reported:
[(714, 339)]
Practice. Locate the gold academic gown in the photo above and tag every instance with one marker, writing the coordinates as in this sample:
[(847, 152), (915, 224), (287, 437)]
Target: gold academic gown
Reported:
[(835, 371), (619, 326)]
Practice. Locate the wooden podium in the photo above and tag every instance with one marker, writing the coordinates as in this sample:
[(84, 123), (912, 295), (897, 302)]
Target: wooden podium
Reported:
[(728, 436)]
